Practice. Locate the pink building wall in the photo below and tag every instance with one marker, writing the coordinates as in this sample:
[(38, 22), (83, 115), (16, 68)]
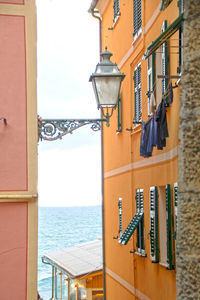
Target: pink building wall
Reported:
[(13, 104), (13, 250)]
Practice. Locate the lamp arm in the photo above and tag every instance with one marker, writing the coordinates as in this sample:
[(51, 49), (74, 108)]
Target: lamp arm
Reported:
[(54, 129)]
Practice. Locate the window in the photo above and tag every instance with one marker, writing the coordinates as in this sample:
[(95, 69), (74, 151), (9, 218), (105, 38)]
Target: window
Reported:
[(140, 228), (161, 224), (150, 79), (116, 10), (161, 68), (137, 94), (137, 18), (136, 223)]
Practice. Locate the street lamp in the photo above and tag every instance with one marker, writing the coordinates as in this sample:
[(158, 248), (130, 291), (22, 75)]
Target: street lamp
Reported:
[(106, 83)]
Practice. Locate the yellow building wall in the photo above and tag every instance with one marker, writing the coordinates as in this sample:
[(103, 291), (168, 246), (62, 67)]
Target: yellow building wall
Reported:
[(95, 281), (128, 275)]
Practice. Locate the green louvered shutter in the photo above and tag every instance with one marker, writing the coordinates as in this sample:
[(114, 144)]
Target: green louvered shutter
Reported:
[(141, 224), (116, 9), (165, 65), (137, 94), (181, 6), (176, 207), (131, 228), (137, 198), (154, 224), (169, 227), (137, 17), (140, 228), (120, 217)]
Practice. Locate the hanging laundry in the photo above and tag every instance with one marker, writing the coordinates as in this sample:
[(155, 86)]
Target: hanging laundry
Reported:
[(162, 129), (171, 95), (154, 132), (148, 137), (144, 140)]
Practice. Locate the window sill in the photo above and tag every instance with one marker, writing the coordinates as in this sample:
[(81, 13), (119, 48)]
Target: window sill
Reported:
[(165, 265), (137, 128), (136, 36), (141, 254), (116, 20), (118, 131)]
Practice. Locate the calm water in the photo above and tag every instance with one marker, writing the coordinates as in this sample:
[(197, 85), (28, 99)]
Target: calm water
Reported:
[(62, 227)]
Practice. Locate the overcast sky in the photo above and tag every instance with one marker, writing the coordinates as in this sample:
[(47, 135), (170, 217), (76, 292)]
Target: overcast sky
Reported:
[(68, 51)]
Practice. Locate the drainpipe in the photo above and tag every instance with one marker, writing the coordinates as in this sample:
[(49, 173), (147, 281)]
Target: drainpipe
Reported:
[(95, 14)]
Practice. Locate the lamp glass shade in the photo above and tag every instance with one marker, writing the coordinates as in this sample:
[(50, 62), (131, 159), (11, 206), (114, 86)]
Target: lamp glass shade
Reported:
[(106, 81), (106, 90)]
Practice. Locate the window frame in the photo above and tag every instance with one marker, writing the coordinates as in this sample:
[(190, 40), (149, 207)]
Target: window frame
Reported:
[(150, 81)]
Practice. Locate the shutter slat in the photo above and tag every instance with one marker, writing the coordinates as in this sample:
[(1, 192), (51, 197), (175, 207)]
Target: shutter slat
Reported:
[(137, 93)]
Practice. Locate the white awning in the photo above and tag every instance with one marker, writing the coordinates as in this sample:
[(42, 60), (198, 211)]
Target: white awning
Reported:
[(79, 260)]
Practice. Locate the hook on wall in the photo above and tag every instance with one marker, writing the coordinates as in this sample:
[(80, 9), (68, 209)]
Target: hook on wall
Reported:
[(4, 120)]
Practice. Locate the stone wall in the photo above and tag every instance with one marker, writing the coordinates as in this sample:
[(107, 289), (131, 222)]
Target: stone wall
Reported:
[(188, 237)]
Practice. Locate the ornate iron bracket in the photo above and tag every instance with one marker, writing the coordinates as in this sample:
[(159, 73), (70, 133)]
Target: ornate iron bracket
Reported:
[(54, 129)]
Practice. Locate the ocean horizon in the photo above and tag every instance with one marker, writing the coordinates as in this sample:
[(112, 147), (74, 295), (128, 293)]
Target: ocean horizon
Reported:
[(63, 227)]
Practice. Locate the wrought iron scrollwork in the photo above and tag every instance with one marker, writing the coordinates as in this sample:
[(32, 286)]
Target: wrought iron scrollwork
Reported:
[(53, 129)]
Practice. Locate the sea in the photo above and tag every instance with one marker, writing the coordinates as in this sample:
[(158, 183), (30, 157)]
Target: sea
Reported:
[(63, 227)]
